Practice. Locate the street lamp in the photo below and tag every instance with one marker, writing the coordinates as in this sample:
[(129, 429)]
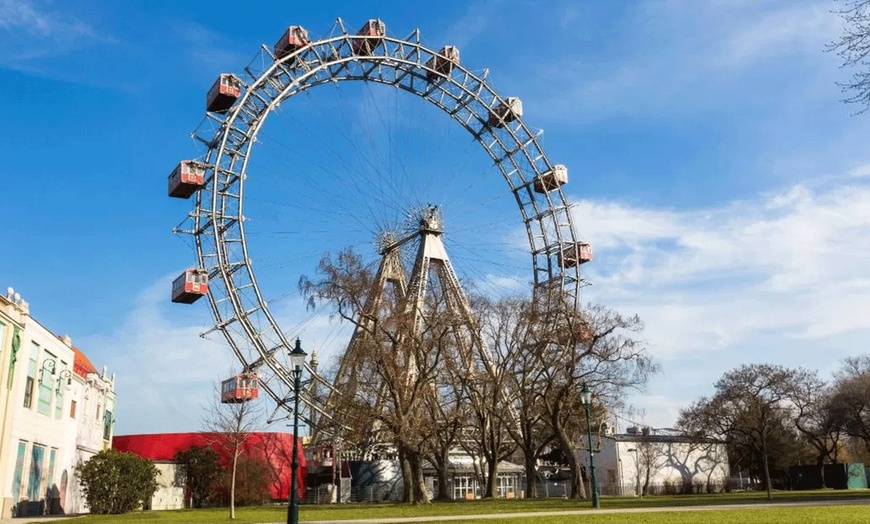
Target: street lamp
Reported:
[(47, 365), (586, 397), (65, 374), (297, 360)]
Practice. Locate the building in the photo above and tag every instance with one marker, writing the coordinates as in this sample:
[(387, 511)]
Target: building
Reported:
[(57, 410), (379, 478), (275, 450), (641, 461)]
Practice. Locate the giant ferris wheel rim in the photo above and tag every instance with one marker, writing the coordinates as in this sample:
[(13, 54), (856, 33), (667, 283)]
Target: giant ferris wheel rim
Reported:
[(218, 219)]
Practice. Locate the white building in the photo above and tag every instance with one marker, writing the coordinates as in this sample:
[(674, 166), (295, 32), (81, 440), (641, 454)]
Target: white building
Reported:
[(57, 410), (661, 463)]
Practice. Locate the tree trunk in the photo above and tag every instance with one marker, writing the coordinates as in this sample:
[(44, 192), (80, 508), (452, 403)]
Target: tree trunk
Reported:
[(645, 490), (766, 467), (442, 476), (421, 496), (531, 475), (820, 461), (578, 488), (491, 479), (407, 477), (233, 485)]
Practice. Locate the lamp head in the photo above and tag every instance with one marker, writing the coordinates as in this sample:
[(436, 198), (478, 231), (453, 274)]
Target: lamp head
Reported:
[(297, 356), (585, 395)]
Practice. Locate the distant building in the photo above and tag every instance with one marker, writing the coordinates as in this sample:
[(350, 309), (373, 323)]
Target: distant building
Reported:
[(57, 410), (663, 463), (379, 479)]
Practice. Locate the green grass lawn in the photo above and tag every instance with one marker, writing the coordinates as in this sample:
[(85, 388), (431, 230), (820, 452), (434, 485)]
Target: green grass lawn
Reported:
[(802, 515), (799, 515)]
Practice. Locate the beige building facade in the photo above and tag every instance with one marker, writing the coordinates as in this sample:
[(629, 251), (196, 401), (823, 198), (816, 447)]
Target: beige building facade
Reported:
[(58, 410)]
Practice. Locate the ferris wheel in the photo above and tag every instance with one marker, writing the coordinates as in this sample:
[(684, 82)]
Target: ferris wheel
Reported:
[(219, 180)]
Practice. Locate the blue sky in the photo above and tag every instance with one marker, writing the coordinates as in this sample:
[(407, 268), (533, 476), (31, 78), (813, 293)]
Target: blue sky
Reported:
[(725, 188)]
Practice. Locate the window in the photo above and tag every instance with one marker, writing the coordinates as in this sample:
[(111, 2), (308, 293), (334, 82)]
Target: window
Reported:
[(46, 386), (34, 483), (28, 392), (72, 409), (463, 486), (30, 381), (107, 425), (52, 456), (19, 471), (506, 484)]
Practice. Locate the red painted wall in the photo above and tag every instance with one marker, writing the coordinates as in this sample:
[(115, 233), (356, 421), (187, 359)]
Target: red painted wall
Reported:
[(275, 449)]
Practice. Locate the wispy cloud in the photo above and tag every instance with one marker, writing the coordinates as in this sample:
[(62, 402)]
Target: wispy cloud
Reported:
[(208, 49), (677, 57), (781, 277), (34, 18), (33, 31), (793, 261)]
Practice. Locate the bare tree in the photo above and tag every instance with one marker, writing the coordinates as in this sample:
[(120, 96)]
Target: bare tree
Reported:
[(397, 364), (853, 47), (231, 425), (751, 407), (649, 458), (512, 326), (850, 399), (811, 400), (596, 346)]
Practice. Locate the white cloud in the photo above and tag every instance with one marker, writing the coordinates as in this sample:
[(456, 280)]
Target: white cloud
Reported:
[(166, 372), (861, 171), (779, 278)]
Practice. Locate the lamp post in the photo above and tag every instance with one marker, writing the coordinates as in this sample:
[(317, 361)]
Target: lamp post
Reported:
[(586, 397), (297, 360)]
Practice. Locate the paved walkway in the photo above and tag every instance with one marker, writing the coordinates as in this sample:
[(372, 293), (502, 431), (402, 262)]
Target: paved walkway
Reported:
[(503, 516)]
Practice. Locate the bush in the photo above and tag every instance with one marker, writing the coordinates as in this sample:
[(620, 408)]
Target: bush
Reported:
[(114, 482)]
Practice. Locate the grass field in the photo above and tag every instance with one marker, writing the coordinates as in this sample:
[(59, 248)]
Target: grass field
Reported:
[(309, 513)]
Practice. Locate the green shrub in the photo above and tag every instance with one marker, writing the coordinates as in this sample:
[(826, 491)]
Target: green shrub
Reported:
[(114, 482)]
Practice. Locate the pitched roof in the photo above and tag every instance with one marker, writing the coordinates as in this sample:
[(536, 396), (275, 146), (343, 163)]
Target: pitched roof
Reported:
[(82, 364)]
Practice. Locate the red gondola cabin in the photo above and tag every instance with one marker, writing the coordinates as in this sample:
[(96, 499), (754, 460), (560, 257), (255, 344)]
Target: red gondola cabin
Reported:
[(294, 39), (507, 111), (187, 177), (443, 62), (579, 253), (223, 94), (558, 176), (374, 30), (240, 388), (190, 286)]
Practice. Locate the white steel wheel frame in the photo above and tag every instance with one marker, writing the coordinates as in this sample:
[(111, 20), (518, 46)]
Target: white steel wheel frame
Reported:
[(217, 221)]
